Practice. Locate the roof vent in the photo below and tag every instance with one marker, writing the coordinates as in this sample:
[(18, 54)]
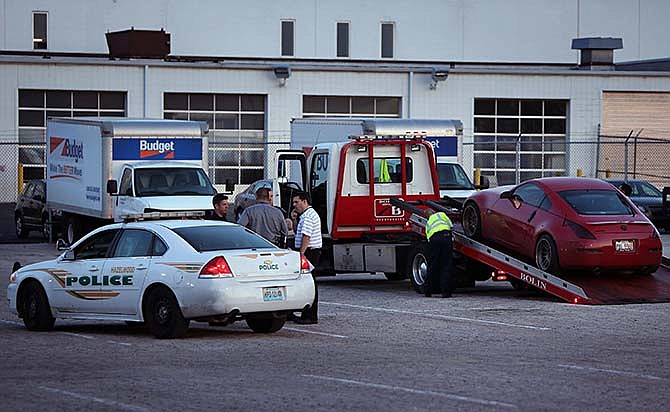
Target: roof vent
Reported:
[(597, 53), (152, 44)]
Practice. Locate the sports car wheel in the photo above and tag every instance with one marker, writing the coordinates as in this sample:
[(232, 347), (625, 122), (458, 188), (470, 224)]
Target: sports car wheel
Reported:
[(472, 225), (417, 266), (21, 231), (36, 311), (546, 254), (265, 325), (163, 315)]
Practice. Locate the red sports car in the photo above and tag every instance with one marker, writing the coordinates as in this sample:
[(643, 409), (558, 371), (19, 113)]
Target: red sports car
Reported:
[(565, 224)]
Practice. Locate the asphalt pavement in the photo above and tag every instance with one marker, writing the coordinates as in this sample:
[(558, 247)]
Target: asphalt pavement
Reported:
[(378, 346)]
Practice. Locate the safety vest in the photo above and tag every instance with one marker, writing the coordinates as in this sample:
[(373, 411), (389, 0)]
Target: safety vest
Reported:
[(437, 222), (384, 175)]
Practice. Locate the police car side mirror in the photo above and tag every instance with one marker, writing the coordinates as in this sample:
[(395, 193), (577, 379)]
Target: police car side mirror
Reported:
[(68, 255), (112, 187)]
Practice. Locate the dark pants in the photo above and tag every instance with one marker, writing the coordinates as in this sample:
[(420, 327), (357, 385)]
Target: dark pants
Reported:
[(440, 257), (313, 255)]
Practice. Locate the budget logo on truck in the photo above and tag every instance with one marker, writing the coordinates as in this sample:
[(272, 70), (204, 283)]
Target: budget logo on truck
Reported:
[(157, 149), (69, 148)]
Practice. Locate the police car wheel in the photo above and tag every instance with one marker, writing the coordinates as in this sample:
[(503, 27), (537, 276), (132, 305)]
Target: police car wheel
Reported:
[(36, 311), (163, 315), (265, 325)]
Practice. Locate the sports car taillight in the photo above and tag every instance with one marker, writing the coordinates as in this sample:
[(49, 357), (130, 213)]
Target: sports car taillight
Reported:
[(304, 264), (216, 268), (579, 230)]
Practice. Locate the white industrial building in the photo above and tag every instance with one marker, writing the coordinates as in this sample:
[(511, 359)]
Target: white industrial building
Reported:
[(506, 69)]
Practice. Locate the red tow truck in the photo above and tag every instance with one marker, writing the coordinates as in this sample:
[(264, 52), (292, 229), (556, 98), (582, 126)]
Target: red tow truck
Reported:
[(351, 184)]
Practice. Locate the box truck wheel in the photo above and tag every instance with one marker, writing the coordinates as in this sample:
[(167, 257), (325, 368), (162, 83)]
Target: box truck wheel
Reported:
[(73, 230)]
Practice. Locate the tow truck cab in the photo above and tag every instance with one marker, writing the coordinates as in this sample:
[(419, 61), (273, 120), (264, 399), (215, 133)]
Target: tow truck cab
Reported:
[(350, 185)]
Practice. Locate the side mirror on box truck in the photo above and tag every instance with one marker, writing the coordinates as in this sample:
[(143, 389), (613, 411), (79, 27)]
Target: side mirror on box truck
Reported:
[(112, 187)]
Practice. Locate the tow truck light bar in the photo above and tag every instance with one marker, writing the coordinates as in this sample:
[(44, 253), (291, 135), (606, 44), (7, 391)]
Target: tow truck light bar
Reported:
[(136, 217), (406, 136)]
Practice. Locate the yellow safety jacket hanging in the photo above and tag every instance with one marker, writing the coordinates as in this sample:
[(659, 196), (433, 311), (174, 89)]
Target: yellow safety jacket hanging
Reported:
[(437, 222), (384, 175)]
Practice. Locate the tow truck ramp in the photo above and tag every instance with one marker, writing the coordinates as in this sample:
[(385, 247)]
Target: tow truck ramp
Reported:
[(588, 289)]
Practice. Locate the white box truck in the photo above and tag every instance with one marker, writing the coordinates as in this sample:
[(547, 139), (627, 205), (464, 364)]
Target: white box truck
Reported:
[(100, 169)]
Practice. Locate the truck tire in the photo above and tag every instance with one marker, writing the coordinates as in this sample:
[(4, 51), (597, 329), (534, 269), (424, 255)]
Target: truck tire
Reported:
[(46, 228), (20, 225), (417, 266), (73, 229)]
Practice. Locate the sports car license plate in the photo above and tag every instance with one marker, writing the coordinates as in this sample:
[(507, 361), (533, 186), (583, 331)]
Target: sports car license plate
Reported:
[(273, 294), (624, 246)]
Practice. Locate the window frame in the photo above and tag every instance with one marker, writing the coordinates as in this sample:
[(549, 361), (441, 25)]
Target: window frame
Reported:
[(36, 43), (282, 40), (348, 39), (381, 39), (350, 113), (542, 153)]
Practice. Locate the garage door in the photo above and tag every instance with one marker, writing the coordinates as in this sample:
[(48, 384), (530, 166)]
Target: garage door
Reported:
[(646, 114)]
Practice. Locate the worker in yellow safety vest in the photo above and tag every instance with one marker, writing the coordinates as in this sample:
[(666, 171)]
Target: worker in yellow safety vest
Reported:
[(440, 254)]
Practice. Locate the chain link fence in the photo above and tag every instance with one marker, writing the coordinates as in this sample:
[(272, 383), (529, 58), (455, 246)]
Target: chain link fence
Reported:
[(236, 164)]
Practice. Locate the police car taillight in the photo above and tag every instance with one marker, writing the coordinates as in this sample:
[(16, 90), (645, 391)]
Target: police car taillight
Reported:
[(216, 268), (305, 267)]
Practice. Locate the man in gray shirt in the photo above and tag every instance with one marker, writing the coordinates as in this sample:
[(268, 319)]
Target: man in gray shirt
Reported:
[(265, 219)]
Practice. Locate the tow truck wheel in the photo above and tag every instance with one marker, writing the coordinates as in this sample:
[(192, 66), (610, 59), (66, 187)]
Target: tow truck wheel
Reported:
[(417, 266), (546, 255), (163, 315), (35, 310), (265, 325), (472, 225)]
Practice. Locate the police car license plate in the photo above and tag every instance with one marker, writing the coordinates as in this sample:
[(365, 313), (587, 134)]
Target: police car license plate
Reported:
[(273, 294), (624, 246)]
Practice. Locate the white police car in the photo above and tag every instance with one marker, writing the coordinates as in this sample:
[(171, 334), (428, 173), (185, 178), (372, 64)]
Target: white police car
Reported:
[(166, 273)]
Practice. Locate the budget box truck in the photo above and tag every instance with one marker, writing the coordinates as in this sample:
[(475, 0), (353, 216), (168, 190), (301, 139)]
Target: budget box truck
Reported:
[(100, 169)]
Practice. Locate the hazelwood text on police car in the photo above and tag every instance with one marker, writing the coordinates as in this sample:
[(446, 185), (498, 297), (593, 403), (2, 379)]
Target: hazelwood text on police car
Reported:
[(165, 273)]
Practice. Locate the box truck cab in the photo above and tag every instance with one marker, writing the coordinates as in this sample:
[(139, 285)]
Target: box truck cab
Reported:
[(100, 169)]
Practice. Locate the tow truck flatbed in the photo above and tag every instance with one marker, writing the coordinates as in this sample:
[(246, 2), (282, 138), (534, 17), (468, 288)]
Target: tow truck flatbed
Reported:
[(602, 289)]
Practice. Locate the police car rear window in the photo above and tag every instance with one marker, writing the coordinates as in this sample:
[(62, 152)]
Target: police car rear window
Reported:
[(209, 238)]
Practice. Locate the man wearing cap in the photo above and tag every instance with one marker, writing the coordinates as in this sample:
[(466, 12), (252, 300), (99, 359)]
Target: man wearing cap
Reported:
[(440, 253)]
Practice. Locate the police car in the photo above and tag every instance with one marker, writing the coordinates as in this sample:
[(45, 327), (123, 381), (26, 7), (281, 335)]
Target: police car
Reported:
[(165, 273)]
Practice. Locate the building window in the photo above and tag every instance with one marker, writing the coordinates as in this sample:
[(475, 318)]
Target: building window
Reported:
[(35, 106), (520, 139), (342, 39), (387, 40), (39, 30), (350, 106), (287, 35), (237, 131)]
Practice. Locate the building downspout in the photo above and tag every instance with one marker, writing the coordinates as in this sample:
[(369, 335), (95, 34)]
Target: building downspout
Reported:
[(144, 92), (410, 78)]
